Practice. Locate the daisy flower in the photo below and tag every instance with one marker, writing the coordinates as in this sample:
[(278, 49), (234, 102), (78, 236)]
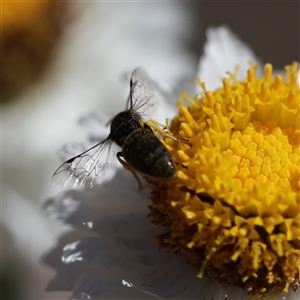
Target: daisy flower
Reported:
[(232, 207)]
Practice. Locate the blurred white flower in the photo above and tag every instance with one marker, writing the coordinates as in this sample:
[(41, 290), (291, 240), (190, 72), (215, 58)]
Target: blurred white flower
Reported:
[(223, 52), (104, 40)]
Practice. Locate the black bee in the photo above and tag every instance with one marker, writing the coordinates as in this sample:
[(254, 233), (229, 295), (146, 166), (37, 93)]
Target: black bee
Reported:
[(141, 148)]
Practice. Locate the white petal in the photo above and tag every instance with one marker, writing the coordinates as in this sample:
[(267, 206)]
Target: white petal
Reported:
[(71, 150), (223, 51), (81, 206), (96, 125), (108, 283), (165, 111), (290, 296), (97, 266)]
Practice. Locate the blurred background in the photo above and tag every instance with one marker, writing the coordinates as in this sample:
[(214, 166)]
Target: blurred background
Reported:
[(61, 60)]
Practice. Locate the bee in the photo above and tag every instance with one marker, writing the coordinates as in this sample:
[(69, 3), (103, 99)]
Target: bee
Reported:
[(141, 149)]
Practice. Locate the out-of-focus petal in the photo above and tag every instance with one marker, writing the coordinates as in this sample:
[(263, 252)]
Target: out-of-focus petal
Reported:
[(121, 259), (79, 206), (223, 52), (96, 126)]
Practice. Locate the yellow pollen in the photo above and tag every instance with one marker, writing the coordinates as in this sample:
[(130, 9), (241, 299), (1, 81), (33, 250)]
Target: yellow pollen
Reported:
[(234, 201), (268, 72), (278, 82), (251, 76), (186, 130), (210, 98), (226, 87), (248, 87)]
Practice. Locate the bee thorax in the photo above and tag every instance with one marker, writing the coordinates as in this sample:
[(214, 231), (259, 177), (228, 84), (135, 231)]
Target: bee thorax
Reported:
[(122, 125)]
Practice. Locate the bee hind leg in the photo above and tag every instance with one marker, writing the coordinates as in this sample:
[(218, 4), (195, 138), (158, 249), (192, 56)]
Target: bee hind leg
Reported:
[(128, 167)]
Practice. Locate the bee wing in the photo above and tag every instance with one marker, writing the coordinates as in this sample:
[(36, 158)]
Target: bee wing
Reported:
[(83, 169), (141, 97)]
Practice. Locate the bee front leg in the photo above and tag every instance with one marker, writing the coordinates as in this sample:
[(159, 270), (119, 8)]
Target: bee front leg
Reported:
[(153, 125), (128, 167)]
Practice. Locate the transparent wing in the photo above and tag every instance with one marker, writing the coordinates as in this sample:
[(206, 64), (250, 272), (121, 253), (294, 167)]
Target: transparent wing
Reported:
[(85, 168), (141, 97)]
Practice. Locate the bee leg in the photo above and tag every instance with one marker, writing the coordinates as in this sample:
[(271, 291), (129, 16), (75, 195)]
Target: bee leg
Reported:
[(128, 167), (152, 125)]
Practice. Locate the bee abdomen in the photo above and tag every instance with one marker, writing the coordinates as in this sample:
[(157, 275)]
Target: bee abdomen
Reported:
[(145, 153)]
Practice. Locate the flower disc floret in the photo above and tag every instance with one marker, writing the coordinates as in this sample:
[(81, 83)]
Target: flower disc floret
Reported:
[(234, 206)]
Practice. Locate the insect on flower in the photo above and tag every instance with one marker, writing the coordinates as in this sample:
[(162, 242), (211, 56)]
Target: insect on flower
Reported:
[(141, 151)]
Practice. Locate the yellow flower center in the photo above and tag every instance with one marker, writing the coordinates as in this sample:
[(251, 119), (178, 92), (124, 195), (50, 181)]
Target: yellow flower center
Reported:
[(234, 206)]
